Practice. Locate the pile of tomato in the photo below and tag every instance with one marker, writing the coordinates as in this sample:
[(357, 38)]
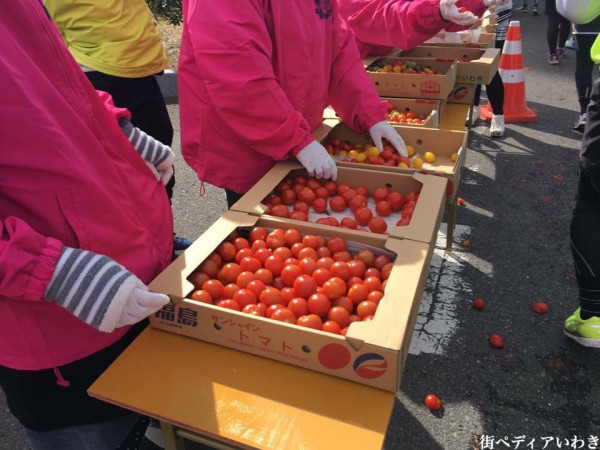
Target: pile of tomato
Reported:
[(297, 196), (409, 117), (305, 280)]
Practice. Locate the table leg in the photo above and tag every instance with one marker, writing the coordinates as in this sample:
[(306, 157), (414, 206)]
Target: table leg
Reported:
[(175, 438), (172, 441), (451, 223)]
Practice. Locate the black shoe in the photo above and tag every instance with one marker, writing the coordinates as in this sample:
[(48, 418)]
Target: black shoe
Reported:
[(180, 244)]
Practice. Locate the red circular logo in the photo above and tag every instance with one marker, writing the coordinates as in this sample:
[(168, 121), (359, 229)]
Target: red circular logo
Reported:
[(334, 356)]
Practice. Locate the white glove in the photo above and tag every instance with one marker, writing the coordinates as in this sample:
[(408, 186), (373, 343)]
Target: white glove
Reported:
[(494, 2), (449, 12), (165, 168), (317, 161), (99, 291), (384, 130)]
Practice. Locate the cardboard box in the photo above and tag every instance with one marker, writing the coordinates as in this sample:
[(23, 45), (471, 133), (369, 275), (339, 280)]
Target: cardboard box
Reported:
[(467, 38), (441, 142), (463, 93), (414, 85), (426, 217), (420, 106), (372, 352), (475, 65)]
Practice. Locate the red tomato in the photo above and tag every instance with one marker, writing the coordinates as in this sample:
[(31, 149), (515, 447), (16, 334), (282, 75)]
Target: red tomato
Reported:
[(321, 275), (254, 309), (375, 296), (245, 297), (299, 179), (279, 211), (332, 327), (310, 321), (289, 274), (210, 268), (383, 208), (319, 205), (539, 307), (325, 262), (275, 240), (377, 225), (340, 315), (311, 241), (307, 195), (433, 402), (334, 288), (272, 200), (304, 285), (367, 257), (299, 215), (258, 244), (287, 294), (291, 262), (299, 306), (363, 215), (301, 206), (352, 281), (198, 278), (348, 194), (396, 200), (348, 222), (274, 264), (342, 256), (496, 341), (242, 253), (264, 275), (244, 279), (262, 254), (362, 190), (202, 296), (340, 269), (323, 251), (272, 308), (381, 261), (283, 252), (373, 284), (308, 265), (256, 287), (288, 196), (386, 270), (358, 293), (366, 308), (250, 264), (313, 183), (478, 303), (230, 272), (337, 203), (319, 304), (270, 296), (258, 233), (322, 192), (336, 244), (229, 304), (357, 268), (372, 272), (227, 251), (380, 193), (358, 201), (345, 303), (308, 252), (229, 290), (283, 315), (241, 243)]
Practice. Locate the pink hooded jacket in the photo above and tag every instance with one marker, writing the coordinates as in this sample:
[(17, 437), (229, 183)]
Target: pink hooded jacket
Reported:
[(254, 79), (68, 176), (380, 25)]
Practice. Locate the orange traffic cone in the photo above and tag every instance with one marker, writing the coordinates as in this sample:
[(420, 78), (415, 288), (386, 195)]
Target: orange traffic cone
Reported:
[(511, 71)]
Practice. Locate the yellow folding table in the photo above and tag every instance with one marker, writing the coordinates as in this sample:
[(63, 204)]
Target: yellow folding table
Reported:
[(230, 399)]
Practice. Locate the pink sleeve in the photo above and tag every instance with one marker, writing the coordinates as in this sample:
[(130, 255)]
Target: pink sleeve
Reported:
[(27, 260), (114, 111), (353, 95), (233, 50), (394, 23)]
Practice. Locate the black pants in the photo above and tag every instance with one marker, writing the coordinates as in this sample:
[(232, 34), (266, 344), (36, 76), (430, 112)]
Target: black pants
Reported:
[(558, 28), (494, 90), (584, 67), (143, 98), (232, 197)]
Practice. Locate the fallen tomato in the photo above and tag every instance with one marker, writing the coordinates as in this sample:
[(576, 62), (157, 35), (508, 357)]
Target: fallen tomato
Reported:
[(496, 341), (539, 307), (433, 402)]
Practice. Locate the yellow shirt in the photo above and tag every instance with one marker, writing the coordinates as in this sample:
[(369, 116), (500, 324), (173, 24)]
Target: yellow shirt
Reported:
[(115, 37)]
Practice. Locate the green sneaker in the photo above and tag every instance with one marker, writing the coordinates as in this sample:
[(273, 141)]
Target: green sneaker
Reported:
[(585, 332)]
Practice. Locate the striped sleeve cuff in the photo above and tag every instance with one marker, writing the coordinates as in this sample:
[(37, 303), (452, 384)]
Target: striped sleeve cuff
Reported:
[(85, 284), (148, 148)]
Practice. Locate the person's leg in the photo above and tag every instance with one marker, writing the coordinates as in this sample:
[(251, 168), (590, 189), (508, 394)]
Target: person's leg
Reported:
[(523, 7), (101, 436), (552, 38), (564, 29), (584, 67), (495, 94), (232, 197)]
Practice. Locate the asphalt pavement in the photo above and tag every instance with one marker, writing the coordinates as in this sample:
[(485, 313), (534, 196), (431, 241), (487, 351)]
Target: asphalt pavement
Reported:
[(541, 391)]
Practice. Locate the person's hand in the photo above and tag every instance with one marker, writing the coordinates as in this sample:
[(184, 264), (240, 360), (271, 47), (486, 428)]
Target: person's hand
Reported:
[(382, 130), (449, 12), (154, 152), (99, 291), (317, 161)]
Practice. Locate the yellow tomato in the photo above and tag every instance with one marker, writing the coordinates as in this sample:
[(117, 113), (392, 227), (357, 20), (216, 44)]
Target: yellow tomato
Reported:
[(361, 157), (410, 149), (417, 162), (454, 157), (429, 157), (353, 153), (343, 153), (372, 151), (403, 165)]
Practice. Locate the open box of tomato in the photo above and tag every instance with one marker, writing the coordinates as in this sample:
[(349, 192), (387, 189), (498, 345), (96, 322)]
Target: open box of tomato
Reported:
[(404, 206), (475, 65), (355, 321), (431, 151), (413, 77), (411, 112)]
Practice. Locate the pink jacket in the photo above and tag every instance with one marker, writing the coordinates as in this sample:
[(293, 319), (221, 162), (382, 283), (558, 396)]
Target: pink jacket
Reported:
[(68, 176), (254, 79), (380, 25)]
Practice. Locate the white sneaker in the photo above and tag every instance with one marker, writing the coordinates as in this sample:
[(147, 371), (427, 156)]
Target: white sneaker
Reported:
[(497, 126)]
